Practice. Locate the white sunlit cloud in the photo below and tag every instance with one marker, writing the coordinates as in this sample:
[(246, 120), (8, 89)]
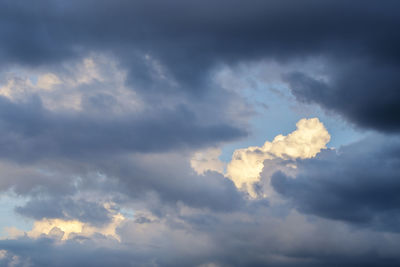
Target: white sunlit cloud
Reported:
[(246, 165)]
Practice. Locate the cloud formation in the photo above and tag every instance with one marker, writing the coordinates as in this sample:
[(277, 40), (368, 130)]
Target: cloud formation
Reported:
[(113, 116), (306, 141), (91, 111), (163, 57), (362, 91), (357, 184)]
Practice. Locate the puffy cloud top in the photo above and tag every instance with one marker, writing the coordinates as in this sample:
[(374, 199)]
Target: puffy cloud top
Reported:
[(305, 142)]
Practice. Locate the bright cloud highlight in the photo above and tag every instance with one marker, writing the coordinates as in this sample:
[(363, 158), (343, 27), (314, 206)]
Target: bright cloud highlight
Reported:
[(305, 142)]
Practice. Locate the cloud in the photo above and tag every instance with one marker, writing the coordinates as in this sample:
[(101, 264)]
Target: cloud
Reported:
[(207, 160), (163, 58), (69, 190), (369, 85), (66, 208), (233, 240), (306, 141), (66, 226), (127, 103), (90, 111), (357, 184), (173, 181), (48, 81), (68, 229), (32, 132)]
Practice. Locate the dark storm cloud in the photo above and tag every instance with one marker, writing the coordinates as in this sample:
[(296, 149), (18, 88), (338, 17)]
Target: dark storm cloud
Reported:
[(189, 38), (367, 93), (30, 132), (360, 184)]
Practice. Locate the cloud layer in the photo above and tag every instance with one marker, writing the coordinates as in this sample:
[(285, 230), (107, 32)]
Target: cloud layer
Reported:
[(114, 117)]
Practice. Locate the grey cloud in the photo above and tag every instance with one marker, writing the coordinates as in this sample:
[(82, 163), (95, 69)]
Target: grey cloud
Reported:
[(358, 185), (173, 181), (190, 38), (44, 252), (67, 209), (170, 51), (160, 181), (30, 132), (233, 241), (364, 92)]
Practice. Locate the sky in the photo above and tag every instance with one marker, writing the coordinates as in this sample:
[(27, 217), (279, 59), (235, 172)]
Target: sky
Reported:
[(199, 133)]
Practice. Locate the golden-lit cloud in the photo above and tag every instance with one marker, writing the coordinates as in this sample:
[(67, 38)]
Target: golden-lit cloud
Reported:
[(305, 142), (309, 138), (71, 228), (66, 229)]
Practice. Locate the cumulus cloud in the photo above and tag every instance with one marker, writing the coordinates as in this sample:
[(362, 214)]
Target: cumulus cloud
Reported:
[(306, 141)]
